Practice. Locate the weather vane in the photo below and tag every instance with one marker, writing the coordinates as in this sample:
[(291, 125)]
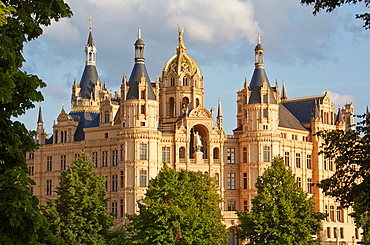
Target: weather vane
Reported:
[(90, 20)]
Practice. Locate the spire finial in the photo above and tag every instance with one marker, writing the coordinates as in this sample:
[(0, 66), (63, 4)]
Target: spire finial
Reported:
[(259, 38), (90, 20), (139, 33), (181, 41)]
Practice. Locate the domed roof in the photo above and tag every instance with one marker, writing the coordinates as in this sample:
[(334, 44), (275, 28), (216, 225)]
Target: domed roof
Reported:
[(181, 63), (139, 41)]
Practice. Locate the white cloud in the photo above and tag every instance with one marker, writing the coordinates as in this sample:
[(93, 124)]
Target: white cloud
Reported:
[(341, 100), (63, 31)]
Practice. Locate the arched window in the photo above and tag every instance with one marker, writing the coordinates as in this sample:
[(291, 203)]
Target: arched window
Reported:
[(106, 116), (185, 81), (185, 102), (197, 102), (172, 81), (182, 152), (171, 107), (216, 153)]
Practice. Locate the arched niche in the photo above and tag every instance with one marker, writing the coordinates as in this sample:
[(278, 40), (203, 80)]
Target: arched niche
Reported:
[(203, 132)]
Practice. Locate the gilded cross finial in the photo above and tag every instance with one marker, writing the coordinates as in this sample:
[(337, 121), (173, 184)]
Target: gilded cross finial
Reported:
[(90, 20)]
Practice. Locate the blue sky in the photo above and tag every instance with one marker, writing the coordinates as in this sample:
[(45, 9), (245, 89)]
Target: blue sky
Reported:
[(310, 54)]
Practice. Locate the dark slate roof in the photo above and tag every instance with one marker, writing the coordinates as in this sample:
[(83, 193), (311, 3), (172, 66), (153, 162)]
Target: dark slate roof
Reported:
[(259, 75), (87, 120), (90, 40), (49, 141), (288, 120), (135, 78), (88, 80), (303, 109)]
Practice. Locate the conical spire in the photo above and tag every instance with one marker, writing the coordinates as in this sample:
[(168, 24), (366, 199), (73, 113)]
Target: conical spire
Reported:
[(283, 93), (259, 53), (220, 117), (39, 120), (90, 48)]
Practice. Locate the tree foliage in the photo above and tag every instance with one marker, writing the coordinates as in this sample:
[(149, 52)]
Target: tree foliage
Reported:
[(282, 213), (331, 5), (78, 215), (350, 184), (20, 22), (179, 208)]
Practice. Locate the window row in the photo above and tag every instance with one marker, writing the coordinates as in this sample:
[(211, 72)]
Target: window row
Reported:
[(231, 206), (334, 213), (310, 185), (294, 137), (299, 161)]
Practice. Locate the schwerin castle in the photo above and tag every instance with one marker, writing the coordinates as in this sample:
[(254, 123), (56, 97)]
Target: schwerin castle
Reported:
[(131, 134)]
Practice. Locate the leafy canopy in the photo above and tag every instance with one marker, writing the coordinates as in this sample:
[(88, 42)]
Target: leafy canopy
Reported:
[(282, 213), (179, 208), (78, 215), (350, 184), (331, 5), (20, 22)]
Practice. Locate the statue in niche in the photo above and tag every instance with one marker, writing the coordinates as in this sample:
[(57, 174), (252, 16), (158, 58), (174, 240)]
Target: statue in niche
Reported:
[(198, 142)]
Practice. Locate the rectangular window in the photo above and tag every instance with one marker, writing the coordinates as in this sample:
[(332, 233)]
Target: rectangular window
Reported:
[(286, 159), (266, 154), (298, 160), (142, 109), (330, 164), (63, 162), (31, 169), (49, 163), (327, 212), (114, 157), (325, 164), (309, 186), (340, 215), (143, 151), (105, 159), (341, 232), (264, 98), (245, 180), (49, 187), (114, 182), (95, 159), (143, 178), (331, 213), (77, 155), (114, 209), (166, 154), (231, 155), (356, 233), (245, 154), (106, 183), (231, 181), (309, 162), (231, 206), (328, 229), (264, 113), (122, 152), (245, 205), (122, 179), (121, 209), (299, 182)]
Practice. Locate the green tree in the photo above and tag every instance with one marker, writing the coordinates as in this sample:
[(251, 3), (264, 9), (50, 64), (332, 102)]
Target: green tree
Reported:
[(282, 213), (179, 208), (119, 236), (350, 184), (78, 215), (21, 221), (331, 5)]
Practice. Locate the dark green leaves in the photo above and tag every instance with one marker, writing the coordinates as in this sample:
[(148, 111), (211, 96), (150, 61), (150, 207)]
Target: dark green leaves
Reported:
[(280, 211), (179, 208)]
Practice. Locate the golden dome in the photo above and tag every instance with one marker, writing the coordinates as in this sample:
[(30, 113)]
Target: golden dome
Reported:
[(181, 63)]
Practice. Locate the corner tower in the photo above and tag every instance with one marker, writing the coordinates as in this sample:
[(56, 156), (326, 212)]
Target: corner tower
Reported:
[(88, 94), (181, 85)]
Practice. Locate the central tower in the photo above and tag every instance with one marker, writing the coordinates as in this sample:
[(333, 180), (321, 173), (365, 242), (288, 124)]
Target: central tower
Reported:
[(181, 86)]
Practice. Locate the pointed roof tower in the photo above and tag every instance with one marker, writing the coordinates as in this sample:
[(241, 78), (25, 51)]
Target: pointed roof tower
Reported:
[(139, 72), (40, 123), (283, 93), (219, 114), (90, 75), (259, 76)]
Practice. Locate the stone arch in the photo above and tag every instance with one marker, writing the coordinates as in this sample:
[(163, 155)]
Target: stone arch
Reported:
[(204, 137)]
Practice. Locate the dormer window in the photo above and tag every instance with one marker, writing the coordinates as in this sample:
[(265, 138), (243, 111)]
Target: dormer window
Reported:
[(106, 116)]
